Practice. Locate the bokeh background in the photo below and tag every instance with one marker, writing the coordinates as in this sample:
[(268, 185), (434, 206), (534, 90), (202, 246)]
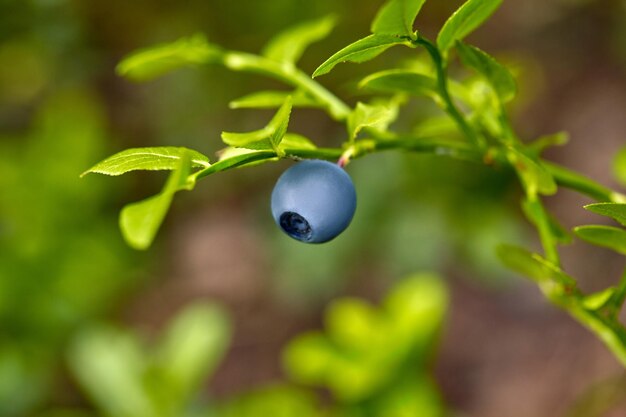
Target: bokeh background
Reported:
[(64, 268)]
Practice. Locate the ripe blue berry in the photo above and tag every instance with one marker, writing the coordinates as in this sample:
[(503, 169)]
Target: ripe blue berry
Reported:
[(313, 201)]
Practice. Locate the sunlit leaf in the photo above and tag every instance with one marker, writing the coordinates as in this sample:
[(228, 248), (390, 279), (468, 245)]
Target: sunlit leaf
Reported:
[(361, 51), (396, 17), (151, 159), (273, 99), (400, 81), (598, 299), (289, 45), (498, 76), (264, 139), (534, 176), (146, 64), (109, 364), (365, 115), (353, 324), (467, 18), (307, 358), (616, 211), (295, 141), (140, 221), (605, 236), (192, 346)]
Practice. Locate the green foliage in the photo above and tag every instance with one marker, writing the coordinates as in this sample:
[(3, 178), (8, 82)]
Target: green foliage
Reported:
[(151, 159), (607, 236), (159, 60), (354, 358), (360, 51), (140, 221), (495, 73), (268, 138), (616, 211), (396, 17), (400, 81), (288, 46), (125, 380), (369, 116), (482, 134), (464, 21), (60, 265)]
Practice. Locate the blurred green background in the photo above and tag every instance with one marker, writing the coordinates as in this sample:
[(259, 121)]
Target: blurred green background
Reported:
[(89, 327)]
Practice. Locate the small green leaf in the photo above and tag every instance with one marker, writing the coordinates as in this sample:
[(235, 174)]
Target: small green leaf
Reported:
[(400, 81), (151, 159), (616, 211), (467, 18), (598, 299), (533, 175), (532, 265), (605, 236), (543, 142), (365, 115), (289, 45), (396, 17), (273, 99), (295, 141), (140, 221), (619, 166), (361, 51), (149, 63), (264, 139), (109, 365), (498, 76), (191, 348)]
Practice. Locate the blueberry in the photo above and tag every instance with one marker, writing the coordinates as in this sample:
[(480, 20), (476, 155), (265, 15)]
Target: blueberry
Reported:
[(313, 201)]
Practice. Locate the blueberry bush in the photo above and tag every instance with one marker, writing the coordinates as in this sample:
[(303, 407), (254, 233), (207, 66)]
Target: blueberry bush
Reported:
[(480, 132)]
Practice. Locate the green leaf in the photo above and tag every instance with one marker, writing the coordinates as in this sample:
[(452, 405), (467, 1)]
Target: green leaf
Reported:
[(353, 324), (498, 76), (532, 265), (140, 221), (619, 166), (599, 299), (605, 236), (365, 115), (396, 17), (308, 358), (533, 175), (616, 211), (264, 139), (400, 81), (149, 63), (151, 159), (361, 51), (295, 141), (289, 45), (191, 348), (543, 142), (109, 365), (273, 99), (467, 18)]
